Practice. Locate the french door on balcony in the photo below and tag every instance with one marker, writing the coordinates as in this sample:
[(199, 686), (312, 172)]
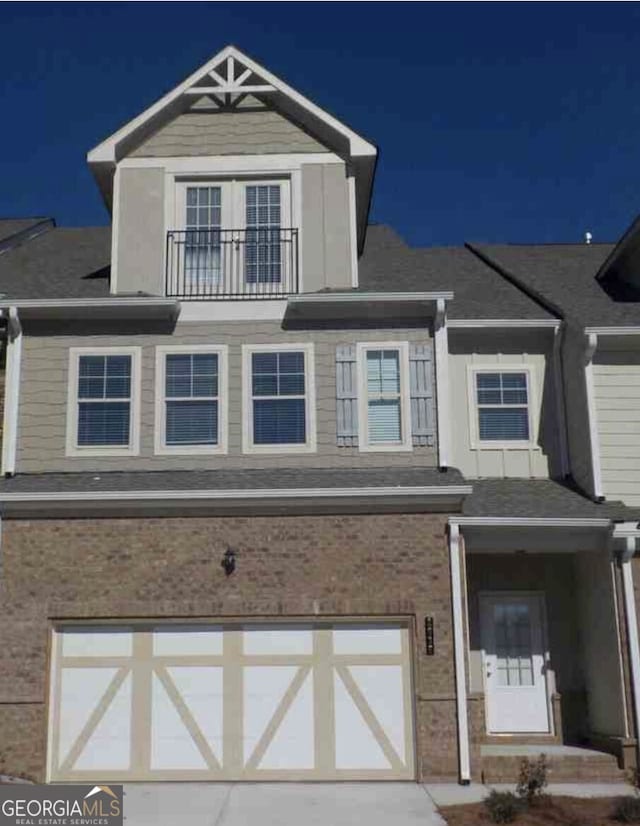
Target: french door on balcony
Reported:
[(233, 238)]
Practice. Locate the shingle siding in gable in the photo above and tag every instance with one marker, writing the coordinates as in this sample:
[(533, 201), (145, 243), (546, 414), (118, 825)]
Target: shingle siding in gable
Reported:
[(227, 133), (43, 408)]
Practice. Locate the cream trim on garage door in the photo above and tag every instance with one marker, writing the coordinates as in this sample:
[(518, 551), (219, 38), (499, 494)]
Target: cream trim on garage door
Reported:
[(233, 702)]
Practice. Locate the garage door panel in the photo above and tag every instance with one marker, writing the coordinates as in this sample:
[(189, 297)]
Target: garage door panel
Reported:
[(104, 742), (269, 701)]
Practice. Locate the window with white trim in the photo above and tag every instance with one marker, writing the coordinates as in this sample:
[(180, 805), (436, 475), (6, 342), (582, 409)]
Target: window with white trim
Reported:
[(279, 410), (191, 393), (384, 405), (103, 401), (278, 398), (191, 399), (502, 403)]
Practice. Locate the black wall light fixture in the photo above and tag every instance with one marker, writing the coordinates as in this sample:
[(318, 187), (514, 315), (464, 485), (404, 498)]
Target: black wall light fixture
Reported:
[(429, 638), (229, 561)]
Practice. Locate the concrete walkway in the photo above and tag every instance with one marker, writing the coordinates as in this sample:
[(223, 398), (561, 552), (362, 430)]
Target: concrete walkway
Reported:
[(279, 804), (452, 794)]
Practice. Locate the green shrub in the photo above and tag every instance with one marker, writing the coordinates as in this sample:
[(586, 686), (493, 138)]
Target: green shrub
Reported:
[(532, 780), (502, 807), (627, 810)]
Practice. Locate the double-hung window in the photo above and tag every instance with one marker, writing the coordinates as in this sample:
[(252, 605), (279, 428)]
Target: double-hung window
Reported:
[(384, 404), (503, 406), (102, 406), (279, 413), (190, 399)]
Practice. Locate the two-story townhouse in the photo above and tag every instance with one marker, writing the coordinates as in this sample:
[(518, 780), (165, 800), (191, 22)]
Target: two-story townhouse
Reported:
[(284, 498)]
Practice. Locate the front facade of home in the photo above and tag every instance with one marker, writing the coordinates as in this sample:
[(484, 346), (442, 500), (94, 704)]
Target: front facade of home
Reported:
[(286, 499)]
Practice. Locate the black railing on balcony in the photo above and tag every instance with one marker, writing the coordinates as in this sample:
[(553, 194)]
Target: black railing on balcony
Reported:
[(206, 264)]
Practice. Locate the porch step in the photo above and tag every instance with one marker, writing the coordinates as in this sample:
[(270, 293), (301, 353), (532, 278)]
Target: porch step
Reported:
[(501, 763)]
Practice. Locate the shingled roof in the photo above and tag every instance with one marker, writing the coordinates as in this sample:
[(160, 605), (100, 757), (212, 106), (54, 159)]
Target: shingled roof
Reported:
[(564, 276), (480, 292), (58, 263)]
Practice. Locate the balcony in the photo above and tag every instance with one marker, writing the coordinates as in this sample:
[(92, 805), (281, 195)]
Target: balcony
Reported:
[(215, 264)]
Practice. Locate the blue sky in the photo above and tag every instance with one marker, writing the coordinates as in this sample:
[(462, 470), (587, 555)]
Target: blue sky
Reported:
[(495, 121)]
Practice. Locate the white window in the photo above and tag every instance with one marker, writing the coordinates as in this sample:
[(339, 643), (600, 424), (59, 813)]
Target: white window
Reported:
[(384, 405), (103, 401), (279, 398), (501, 407), (191, 399)]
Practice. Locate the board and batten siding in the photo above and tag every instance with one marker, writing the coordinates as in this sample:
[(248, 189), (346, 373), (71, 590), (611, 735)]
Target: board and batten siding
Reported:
[(494, 350), (227, 133), (43, 405), (616, 379)]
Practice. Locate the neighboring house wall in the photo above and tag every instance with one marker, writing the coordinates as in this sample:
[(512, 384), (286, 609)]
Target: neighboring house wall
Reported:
[(43, 407), (578, 436), (320, 209), (227, 133), (288, 567), (616, 379), (478, 348)]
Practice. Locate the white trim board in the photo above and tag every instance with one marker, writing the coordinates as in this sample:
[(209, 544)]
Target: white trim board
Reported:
[(227, 494), (443, 391), (106, 150), (508, 323), (528, 522), (592, 415), (338, 297), (13, 373), (455, 556)]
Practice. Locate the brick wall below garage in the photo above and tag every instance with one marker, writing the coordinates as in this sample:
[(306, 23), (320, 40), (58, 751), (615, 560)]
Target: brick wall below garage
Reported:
[(293, 566)]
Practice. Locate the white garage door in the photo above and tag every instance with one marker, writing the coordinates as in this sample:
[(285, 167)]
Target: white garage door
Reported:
[(251, 702)]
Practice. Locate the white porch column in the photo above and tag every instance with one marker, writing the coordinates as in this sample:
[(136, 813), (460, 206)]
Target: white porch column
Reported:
[(629, 533), (457, 603)]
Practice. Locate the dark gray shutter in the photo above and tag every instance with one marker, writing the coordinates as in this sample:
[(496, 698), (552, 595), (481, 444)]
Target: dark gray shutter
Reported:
[(422, 394), (346, 396)]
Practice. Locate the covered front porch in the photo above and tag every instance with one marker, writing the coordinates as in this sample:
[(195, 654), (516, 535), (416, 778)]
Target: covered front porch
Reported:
[(544, 648)]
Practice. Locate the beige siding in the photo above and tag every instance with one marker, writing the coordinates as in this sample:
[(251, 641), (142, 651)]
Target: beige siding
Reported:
[(575, 393), (141, 231), (616, 379), (326, 250), (43, 409), (475, 349), (227, 133)]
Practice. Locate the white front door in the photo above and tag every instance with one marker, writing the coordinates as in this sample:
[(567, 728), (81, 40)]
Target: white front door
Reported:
[(514, 663)]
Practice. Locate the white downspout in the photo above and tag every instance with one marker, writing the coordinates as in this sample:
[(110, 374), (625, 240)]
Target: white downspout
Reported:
[(11, 393), (632, 621), (565, 467), (441, 347), (596, 472), (457, 604)]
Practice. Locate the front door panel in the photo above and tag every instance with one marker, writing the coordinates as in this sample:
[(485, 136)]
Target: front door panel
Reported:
[(514, 664)]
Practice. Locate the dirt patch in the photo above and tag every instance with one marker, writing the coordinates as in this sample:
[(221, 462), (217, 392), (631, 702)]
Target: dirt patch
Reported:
[(552, 811)]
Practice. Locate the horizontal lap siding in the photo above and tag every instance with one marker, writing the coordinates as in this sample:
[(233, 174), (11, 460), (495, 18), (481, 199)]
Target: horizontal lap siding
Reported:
[(617, 397), (43, 407), (227, 133)]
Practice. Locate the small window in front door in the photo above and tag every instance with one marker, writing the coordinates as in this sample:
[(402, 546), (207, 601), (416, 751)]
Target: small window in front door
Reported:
[(514, 663)]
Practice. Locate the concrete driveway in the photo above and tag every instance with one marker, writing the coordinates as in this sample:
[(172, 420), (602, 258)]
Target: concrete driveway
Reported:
[(278, 804)]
